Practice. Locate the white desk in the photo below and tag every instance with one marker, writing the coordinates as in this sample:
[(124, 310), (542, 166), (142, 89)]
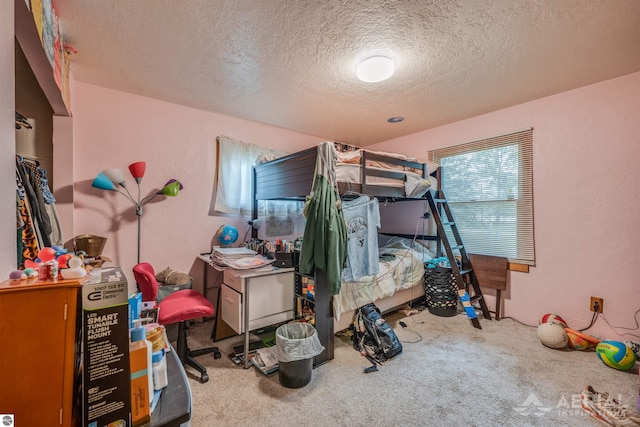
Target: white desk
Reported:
[(252, 299)]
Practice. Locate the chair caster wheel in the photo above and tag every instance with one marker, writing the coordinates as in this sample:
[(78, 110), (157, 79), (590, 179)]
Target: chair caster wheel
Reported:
[(204, 378), (217, 355)]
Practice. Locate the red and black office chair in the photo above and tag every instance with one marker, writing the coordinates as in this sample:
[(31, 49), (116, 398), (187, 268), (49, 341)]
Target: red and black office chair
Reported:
[(178, 307)]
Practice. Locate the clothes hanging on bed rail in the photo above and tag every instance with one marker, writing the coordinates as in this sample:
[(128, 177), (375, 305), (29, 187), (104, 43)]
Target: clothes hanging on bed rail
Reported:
[(324, 244), (363, 221)]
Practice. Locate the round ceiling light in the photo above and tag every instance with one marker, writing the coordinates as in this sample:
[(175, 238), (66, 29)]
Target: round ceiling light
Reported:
[(375, 69)]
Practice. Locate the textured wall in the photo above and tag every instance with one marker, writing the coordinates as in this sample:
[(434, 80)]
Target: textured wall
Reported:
[(586, 157)]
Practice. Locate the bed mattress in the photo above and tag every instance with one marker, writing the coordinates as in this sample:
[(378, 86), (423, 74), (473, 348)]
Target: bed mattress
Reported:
[(404, 271), (414, 185)]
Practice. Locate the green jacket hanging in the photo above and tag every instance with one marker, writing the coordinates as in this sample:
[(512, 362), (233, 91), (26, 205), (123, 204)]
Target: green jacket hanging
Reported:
[(324, 244)]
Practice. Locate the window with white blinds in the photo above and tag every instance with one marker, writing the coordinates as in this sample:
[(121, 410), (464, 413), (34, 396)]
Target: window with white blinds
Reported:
[(489, 187)]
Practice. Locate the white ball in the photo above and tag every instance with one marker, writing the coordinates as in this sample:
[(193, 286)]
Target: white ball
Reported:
[(552, 335)]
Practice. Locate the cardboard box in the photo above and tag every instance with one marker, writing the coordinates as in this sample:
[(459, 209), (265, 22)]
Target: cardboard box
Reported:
[(106, 385), (140, 403), (135, 307)]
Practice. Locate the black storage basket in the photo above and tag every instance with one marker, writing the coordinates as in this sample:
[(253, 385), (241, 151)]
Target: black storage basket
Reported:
[(441, 291)]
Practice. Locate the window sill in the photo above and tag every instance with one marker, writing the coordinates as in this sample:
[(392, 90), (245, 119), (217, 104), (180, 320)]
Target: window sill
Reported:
[(514, 266)]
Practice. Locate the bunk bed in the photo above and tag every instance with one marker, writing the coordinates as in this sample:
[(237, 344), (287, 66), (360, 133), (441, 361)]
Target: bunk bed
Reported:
[(386, 176)]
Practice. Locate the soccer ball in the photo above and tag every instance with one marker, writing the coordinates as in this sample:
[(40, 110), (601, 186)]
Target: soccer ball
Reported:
[(553, 318), (616, 354), (227, 235), (552, 335), (577, 341)]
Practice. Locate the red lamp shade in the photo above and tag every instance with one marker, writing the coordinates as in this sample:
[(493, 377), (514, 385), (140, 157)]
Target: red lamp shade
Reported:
[(137, 170)]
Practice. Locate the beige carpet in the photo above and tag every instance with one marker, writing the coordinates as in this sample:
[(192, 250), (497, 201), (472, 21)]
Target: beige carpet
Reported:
[(449, 374)]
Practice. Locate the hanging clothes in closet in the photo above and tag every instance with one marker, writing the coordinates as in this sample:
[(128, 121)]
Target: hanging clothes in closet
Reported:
[(38, 224)]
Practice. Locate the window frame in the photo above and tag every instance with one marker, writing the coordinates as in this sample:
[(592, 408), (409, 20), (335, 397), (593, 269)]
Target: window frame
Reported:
[(524, 228)]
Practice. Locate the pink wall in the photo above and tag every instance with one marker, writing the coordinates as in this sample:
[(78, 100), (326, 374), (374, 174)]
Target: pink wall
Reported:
[(586, 174), (8, 253), (113, 129)]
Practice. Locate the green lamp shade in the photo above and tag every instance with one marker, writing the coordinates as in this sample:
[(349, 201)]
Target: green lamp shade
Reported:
[(172, 189), (175, 180), (103, 183)]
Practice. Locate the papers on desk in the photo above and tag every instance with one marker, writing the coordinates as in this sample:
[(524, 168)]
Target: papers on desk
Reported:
[(220, 256), (238, 258), (257, 261)]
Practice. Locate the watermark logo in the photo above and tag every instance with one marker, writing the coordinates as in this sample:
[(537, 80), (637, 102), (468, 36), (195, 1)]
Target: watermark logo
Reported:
[(569, 406), (7, 420), (532, 406)]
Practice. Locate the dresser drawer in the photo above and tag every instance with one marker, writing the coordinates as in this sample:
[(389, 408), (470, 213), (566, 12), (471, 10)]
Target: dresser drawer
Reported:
[(231, 308)]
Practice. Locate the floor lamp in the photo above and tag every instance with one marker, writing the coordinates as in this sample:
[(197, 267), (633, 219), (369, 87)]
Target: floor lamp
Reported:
[(110, 179)]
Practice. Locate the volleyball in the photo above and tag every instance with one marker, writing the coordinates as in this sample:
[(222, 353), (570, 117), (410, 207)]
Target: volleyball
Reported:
[(552, 335), (616, 354), (553, 318)]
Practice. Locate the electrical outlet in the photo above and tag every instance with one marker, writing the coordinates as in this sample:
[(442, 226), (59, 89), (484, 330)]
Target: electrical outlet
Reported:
[(593, 302)]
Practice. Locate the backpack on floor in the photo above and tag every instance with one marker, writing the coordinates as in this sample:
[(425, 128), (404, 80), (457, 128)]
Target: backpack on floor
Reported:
[(373, 337)]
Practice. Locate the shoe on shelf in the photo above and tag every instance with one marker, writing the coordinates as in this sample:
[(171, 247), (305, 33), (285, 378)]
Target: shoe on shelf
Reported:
[(607, 410)]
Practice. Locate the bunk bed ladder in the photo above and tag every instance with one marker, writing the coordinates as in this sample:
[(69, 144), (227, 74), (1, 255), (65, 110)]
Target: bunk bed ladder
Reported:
[(465, 276)]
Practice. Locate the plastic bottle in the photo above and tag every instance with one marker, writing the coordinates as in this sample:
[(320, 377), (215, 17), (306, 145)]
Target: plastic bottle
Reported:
[(160, 379), (138, 333)]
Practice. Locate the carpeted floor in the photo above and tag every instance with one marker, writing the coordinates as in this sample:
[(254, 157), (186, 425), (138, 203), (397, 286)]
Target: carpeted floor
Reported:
[(449, 374)]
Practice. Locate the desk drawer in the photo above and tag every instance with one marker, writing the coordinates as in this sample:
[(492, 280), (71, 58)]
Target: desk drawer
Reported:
[(231, 308), (270, 295), (234, 281)]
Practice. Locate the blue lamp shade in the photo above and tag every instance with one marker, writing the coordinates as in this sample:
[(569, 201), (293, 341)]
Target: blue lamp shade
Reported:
[(103, 183)]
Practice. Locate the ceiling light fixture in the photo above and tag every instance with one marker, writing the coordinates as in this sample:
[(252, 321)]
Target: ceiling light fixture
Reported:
[(375, 69)]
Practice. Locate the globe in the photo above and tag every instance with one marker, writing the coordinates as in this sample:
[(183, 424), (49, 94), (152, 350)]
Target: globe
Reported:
[(227, 235)]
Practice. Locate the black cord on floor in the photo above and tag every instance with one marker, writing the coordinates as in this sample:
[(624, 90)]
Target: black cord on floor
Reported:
[(404, 328), (516, 320)]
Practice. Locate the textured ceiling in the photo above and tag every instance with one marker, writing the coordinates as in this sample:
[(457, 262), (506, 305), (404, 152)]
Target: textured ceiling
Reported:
[(291, 63)]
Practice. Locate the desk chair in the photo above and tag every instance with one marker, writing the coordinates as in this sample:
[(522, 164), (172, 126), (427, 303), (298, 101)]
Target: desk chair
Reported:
[(178, 307)]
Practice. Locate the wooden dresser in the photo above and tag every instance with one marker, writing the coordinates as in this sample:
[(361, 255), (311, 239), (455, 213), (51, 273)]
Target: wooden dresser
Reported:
[(38, 331)]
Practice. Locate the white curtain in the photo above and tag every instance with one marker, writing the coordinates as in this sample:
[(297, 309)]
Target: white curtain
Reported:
[(234, 172)]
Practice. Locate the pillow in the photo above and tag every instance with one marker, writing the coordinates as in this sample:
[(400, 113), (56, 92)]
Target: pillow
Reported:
[(172, 277)]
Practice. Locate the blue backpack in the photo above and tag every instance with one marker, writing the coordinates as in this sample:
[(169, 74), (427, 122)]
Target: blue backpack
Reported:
[(373, 337)]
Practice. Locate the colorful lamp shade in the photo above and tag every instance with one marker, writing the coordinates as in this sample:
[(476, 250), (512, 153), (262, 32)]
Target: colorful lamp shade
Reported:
[(116, 176), (172, 188), (137, 170), (175, 180), (103, 183), (107, 180)]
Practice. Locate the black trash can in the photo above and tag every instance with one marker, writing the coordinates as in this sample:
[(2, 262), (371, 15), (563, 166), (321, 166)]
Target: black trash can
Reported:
[(441, 290), (296, 346), (295, 374)]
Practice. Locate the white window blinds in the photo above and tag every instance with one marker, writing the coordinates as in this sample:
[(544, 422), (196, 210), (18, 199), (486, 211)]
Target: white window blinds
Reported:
[(489, 187)]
